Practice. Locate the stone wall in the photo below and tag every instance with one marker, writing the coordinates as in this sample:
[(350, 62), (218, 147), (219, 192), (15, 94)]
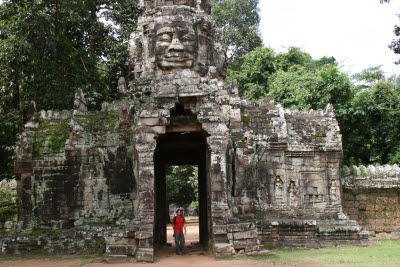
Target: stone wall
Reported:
[(75, 178), (75, 168), (371, 196), (286, 162)]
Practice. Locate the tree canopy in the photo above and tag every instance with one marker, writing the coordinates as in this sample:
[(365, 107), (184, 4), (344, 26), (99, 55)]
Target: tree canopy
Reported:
[(49, 49), (239, 20), (182, 185)]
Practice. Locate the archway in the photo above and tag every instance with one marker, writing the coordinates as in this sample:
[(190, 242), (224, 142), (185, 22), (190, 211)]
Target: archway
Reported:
[(181, 148)]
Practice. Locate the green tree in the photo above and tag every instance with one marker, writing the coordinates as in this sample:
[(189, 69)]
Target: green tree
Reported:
[(293, 78), (370, 126), (182, 185), (255, 73), (239, 20), (50, 48), (293, 88), (8, 205)]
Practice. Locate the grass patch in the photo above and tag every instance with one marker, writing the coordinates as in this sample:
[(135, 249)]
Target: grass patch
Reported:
[(384, 253), (16, 259), (56, 259), (7, 259), (86, 260)]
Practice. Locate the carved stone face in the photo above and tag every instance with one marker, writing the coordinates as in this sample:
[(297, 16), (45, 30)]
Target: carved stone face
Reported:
[(175, 46)]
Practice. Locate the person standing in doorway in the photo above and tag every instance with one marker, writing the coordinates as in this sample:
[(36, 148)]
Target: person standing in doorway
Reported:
[(178, 223)]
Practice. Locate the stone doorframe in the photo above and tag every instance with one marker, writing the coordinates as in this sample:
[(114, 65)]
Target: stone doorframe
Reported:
[(152, 124)]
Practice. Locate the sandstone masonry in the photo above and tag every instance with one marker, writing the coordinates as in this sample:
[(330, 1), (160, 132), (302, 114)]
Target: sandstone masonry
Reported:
[(266, 174), (371, 196)]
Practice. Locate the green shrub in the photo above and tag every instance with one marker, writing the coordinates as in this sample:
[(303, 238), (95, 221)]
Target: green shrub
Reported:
[(8, 205)]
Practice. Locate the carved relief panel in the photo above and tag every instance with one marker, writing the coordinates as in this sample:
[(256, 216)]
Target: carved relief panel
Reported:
[(314, 187)]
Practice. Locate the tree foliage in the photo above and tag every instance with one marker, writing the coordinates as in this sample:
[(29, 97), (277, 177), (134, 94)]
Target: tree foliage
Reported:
[(182, 185), (239, 20), (370, 125), (292, 78), (50, 48), (8, 205)]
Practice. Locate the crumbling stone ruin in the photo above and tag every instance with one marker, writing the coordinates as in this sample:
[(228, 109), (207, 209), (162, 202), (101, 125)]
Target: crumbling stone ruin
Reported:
[(90, 182)]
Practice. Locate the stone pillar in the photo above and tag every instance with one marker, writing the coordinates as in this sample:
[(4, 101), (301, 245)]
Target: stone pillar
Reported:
[(143, 225), (220, 214)]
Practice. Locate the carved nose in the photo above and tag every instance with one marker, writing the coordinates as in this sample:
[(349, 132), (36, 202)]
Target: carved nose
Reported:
[(176, 46)]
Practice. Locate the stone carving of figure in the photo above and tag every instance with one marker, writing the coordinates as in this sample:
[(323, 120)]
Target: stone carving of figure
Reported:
[(124, 116), (334, 193), (122, 88), (175, 46), (80, 101), (292, 194), (31, 110), (278, 190), (179, 41)]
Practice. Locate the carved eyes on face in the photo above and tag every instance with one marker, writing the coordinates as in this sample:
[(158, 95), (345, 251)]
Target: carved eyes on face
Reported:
[(168, 37), (165, 37), (187, 38)]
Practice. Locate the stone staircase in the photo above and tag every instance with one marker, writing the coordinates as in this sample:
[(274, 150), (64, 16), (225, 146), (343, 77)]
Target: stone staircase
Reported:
[(119, 247)]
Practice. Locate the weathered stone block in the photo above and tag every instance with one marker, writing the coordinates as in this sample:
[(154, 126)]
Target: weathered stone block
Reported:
[(145, 255), (143, 235), (121, 250), (361, 197), (245, 235), (240, 227), (222, 248), (146, 243), (219, 229), (113, 259)]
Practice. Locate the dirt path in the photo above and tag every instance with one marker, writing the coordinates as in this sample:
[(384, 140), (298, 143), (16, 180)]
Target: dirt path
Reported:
[(166, 257), (173, 261)]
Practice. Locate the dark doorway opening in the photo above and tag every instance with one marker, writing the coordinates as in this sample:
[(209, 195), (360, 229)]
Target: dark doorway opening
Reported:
[(178, 149)]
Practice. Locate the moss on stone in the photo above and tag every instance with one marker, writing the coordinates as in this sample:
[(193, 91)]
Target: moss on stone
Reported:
[(50, 134), (103, 123), (8, 207), (270, 246), (5, 233), (245, 119), (37, 232), (100, 143), (37, 251)]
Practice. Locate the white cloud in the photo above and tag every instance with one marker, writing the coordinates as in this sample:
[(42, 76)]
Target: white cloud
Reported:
[(356, 32)]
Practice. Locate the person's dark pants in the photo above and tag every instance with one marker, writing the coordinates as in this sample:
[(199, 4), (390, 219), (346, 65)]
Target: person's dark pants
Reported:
[(180, 243)]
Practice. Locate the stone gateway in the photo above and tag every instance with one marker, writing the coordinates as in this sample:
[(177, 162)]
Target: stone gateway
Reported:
[(90, 182)]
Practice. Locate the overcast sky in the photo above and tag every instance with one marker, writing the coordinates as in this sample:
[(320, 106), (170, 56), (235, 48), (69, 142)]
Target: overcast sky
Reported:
[(356, 32)]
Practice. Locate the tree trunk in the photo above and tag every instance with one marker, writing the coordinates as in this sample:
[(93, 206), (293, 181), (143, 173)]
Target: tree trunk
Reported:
[(21, 104)]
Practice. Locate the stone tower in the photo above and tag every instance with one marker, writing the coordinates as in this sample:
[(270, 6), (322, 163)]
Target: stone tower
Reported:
[(266, 174)]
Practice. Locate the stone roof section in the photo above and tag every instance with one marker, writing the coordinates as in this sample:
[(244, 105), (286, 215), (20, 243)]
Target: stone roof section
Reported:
[(300, 130)]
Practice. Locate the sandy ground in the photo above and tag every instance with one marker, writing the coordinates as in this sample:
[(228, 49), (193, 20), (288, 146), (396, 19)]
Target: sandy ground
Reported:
[(193, 257)]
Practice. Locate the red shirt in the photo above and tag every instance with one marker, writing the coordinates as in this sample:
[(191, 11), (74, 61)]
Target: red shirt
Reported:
[(178, 224)]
